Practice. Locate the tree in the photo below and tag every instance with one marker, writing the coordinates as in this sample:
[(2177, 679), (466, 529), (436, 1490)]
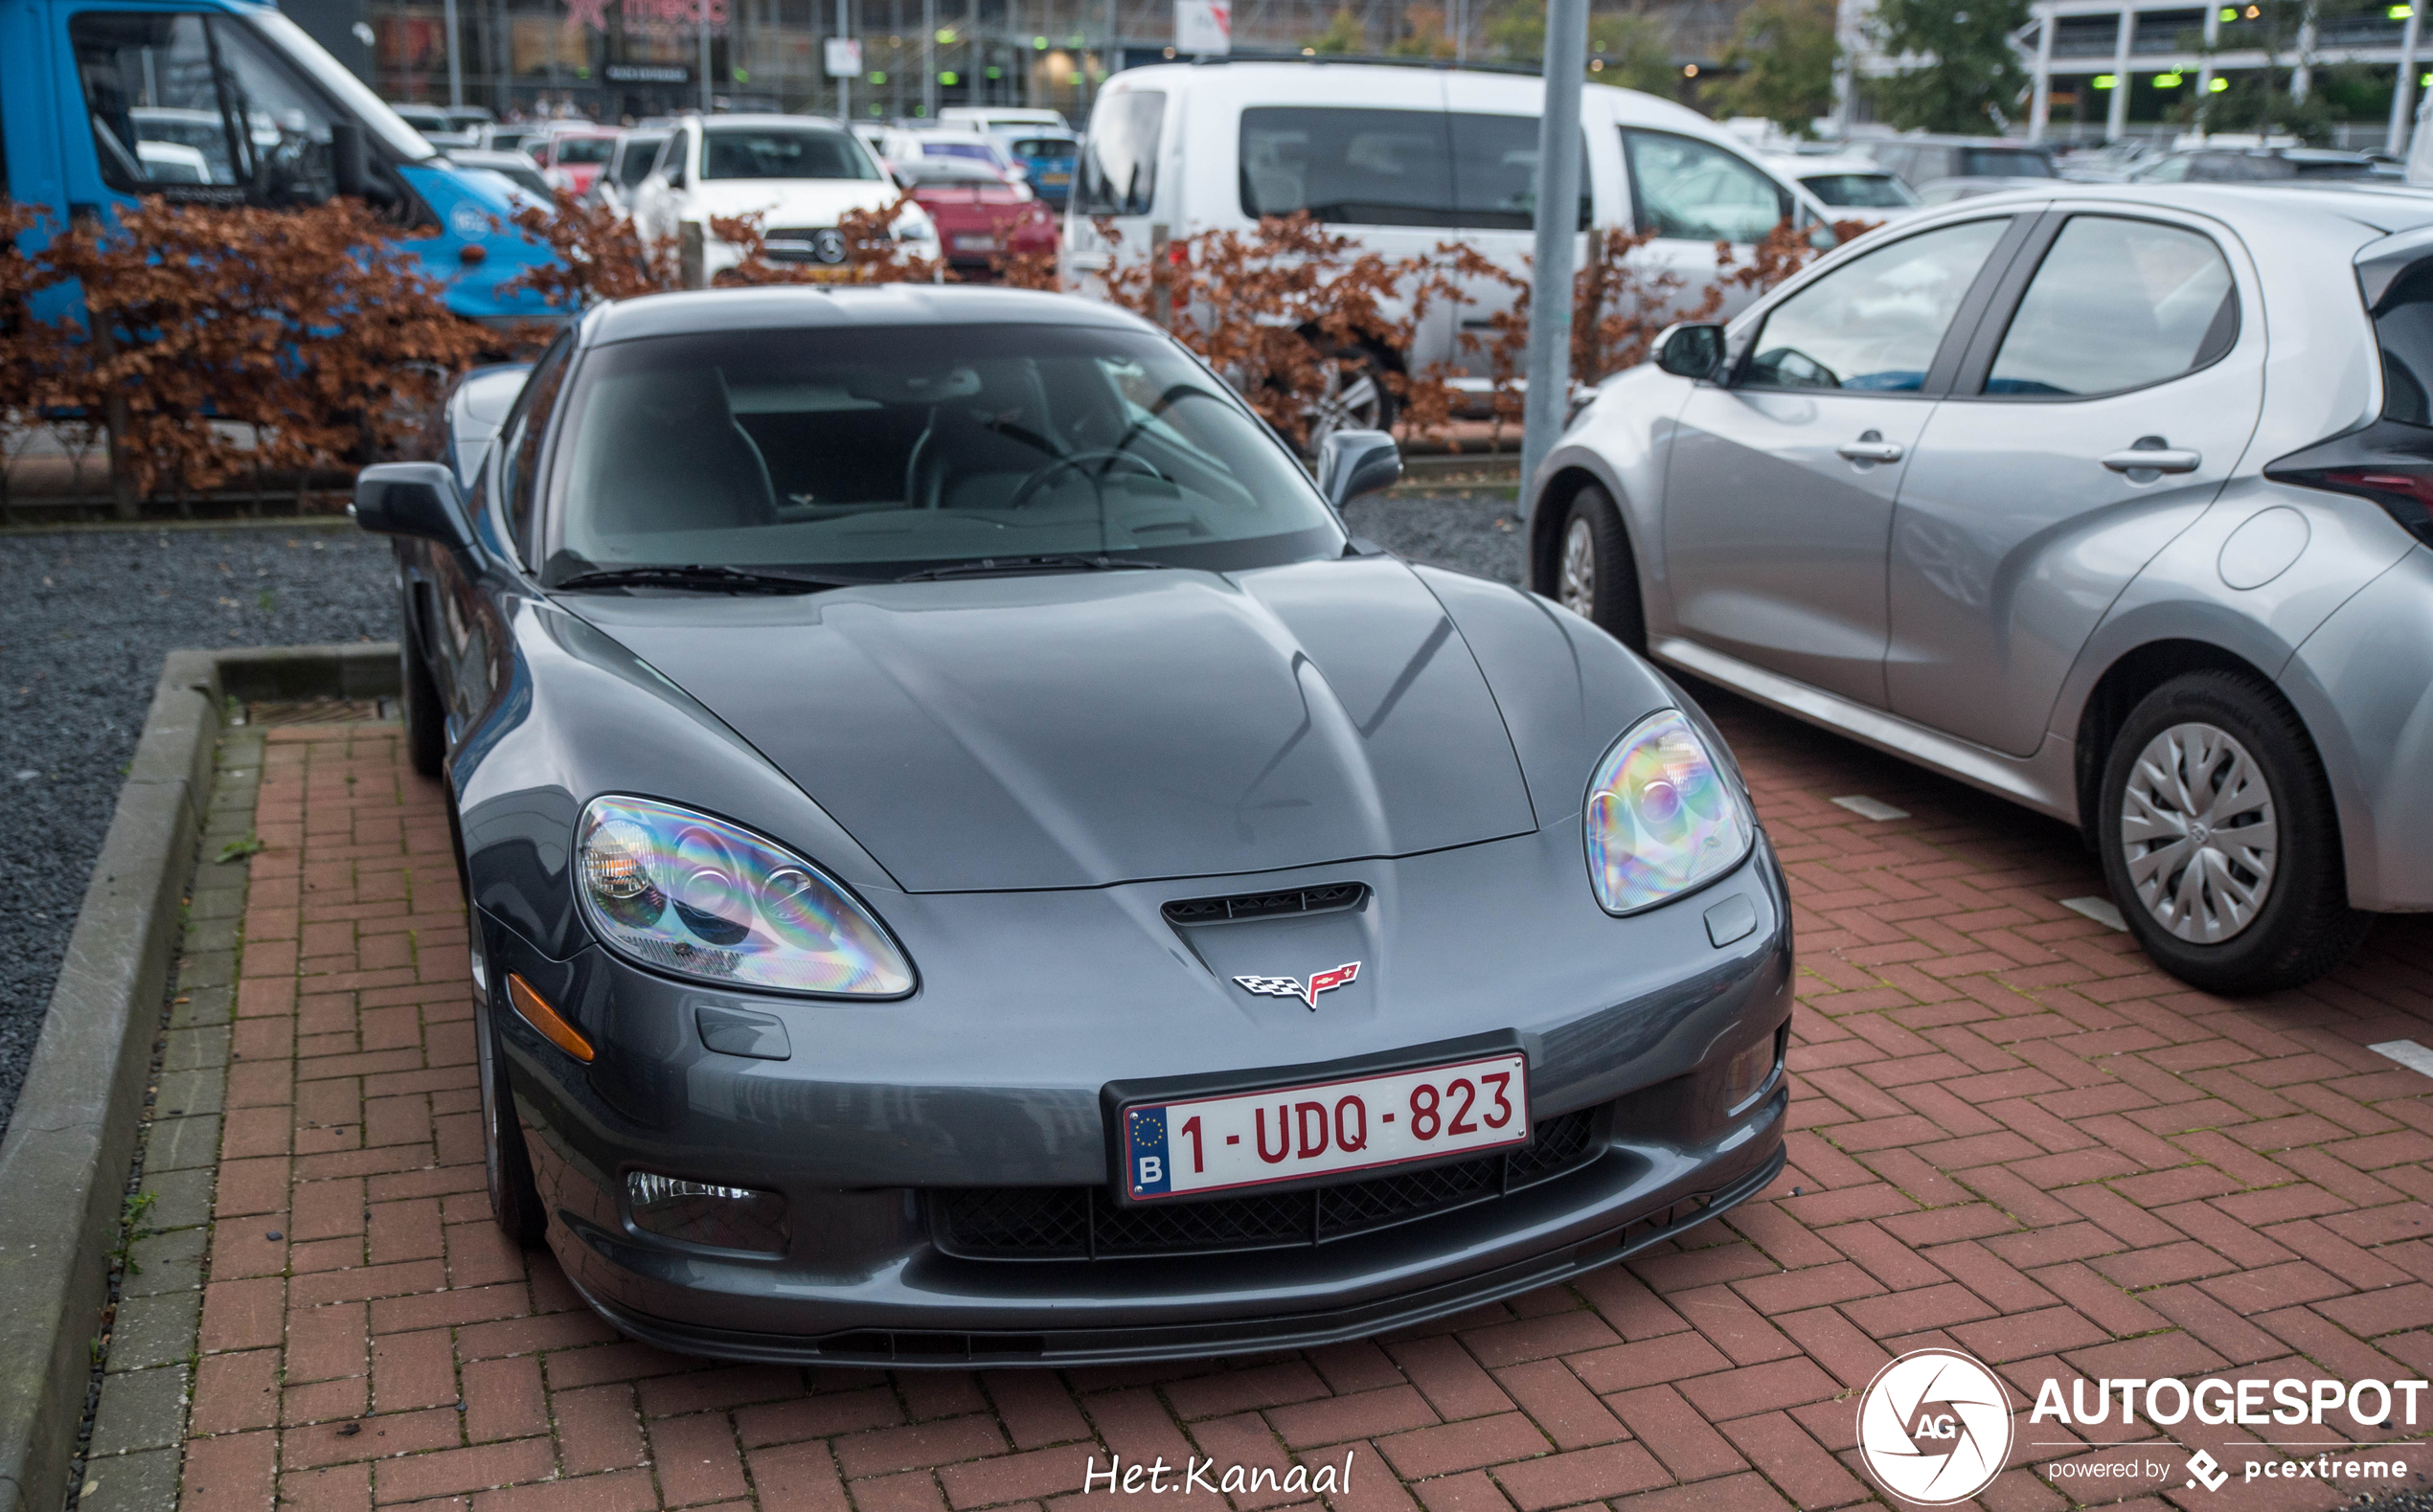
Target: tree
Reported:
[(1785, 50), (1343, 34), (1423, 34), (2266, 98), (1964, 77), (1635, 49)]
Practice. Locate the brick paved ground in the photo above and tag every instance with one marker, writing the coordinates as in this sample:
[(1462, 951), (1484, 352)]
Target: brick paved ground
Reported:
[(2013, 1135)]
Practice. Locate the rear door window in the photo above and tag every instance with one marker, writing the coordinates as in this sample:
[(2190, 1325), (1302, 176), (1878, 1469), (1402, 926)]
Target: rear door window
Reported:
[(1687, 187), (1119, 157), (2117, 304), (2403, 329), (1874, 324)]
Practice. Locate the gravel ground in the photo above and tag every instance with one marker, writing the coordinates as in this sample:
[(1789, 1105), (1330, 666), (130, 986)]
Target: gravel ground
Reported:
[(90, 614)]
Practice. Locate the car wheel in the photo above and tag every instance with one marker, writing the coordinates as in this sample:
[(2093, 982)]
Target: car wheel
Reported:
[(1356, 397), (426, 722), (2219, 840), (1595, 576), (514, 1196)]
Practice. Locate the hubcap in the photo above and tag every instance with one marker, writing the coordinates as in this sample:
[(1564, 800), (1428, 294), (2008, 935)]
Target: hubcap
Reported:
[(1579, 586), (2199, 833), (1352, 401)]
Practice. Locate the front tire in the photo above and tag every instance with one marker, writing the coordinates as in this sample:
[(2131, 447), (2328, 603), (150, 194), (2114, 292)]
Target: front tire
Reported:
[(507, 1164), (1595, 575), (2220, 839)]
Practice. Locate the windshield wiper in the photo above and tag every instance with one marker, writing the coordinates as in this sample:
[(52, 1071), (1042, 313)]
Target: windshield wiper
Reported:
[(990, 566), (702, 578)]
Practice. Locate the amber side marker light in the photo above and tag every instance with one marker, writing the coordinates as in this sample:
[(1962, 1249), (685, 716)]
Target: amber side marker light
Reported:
[(535, 1009)]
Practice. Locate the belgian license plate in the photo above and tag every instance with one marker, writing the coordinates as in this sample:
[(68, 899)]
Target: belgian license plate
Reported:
[(1284, 1134), (975, 243)]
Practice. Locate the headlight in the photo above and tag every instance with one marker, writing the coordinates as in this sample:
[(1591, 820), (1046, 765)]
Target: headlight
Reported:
[(1662, 818), (703, 898)]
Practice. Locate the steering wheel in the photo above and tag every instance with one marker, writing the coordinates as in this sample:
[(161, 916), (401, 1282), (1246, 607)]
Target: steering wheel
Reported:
[(1040, 479)]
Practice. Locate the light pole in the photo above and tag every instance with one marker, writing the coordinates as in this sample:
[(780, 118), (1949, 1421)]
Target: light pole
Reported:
[(2403, 90), (844, 82), (929, 59), (1559, 153), (705, 56), (455, 60)]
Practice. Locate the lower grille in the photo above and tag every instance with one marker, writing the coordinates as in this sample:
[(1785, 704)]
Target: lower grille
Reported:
[(1074, 1223), (824, 244)]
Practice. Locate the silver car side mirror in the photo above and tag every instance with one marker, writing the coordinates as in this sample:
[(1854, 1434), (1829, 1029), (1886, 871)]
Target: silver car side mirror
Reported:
[(1355, 463), (1691, 351)]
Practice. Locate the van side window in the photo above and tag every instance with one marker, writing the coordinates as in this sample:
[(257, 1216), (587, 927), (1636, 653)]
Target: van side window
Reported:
[(1683, 187), (1119, 157), (522, 437), (1394, 168)]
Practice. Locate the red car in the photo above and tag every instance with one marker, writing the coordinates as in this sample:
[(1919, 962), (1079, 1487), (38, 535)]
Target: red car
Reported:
[(979, 212), (570, 160)]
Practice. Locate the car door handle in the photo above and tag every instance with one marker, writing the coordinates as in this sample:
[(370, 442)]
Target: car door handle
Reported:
[(2158, 459), (1870, 447)]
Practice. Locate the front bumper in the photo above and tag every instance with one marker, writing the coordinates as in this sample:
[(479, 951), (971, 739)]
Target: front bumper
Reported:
[(866, 1126)]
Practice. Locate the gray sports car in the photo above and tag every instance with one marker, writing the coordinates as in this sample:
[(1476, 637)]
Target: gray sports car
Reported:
[(969, 861)]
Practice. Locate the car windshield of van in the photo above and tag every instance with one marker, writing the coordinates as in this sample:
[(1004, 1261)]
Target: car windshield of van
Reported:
[(866, 453), (1861, 191), (636, 165), (2003, 163), (783, 152), (1042, 146)]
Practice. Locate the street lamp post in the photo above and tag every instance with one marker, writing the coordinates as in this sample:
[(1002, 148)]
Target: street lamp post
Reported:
[(844, 82), (1559, 154), (455, 60)]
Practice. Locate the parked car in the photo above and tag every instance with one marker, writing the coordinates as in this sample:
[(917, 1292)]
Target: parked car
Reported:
[(908, 145), (932, 773), (998, 119), (516, 168), (445, 126), (627, 166), (1399, 159), (512, 137), (2216, 165), (1997, 489), (1047, 156), (1856, 186), (1920, 159), (572, 160), (979, 214), (801, 175)]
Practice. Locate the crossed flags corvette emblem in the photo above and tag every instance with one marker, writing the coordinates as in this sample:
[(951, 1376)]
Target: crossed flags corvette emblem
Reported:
[(1290, 986)]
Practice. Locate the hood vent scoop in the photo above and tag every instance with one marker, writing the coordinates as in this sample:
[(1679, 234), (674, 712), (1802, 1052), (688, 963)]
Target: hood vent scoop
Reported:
[(1327, 899)]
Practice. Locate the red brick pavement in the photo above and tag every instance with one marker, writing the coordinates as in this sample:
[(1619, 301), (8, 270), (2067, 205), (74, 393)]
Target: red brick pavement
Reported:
[(2012, 1135)]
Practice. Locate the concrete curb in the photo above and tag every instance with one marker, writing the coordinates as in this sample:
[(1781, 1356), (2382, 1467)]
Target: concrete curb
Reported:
[(65, 1160)]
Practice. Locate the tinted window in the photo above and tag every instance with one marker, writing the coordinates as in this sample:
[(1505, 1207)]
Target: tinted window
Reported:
[(971, 151), (1874, 324), (2403, 327), (781, 152), (523, 433), (633, 165), (153, 99), (1862, 190), (2003, 163), (1042, 146), (582, 149), (1684, 187), (1119, 157), (928, 171), (2118, 304), (1393, 167), (870, 452)]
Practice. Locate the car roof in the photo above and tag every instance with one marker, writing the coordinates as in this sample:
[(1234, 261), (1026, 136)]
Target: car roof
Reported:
[(2373, 208), (1936, 138), (831, 306), (1806, 164), (767, 118), (1391, 85)]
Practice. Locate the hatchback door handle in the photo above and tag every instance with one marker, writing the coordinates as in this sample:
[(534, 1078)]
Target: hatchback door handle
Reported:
[(1871, 446), (2160, 459)]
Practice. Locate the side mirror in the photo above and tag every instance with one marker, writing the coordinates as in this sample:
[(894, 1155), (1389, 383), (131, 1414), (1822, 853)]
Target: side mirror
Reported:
[(349, 171), (1691, 351), (1355, 463), (418, 499)]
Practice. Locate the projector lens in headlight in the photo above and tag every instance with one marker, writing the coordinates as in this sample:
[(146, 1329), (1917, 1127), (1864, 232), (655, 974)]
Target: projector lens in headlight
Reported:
[(1662, 818)]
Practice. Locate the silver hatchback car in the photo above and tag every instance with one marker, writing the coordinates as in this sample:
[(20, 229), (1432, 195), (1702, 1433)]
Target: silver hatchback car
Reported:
[(2113, 501)]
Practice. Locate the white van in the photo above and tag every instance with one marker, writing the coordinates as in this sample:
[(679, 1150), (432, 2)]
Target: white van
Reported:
[(1401, 159), (999, 117)]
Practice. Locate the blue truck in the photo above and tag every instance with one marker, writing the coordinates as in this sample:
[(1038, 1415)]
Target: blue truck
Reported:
[(230, 103)]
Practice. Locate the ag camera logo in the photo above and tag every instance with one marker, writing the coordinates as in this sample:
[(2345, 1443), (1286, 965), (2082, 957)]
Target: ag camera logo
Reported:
[(1934, 1426)]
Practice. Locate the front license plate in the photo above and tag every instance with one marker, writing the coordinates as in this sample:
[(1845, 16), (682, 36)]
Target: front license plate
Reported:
[(975, 243), (1284, 1134)]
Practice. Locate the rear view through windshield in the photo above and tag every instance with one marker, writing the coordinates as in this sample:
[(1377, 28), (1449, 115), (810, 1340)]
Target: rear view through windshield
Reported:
[(870, 452)]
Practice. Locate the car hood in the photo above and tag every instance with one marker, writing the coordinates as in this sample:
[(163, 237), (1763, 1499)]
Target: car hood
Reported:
[(1088, 729), (790, 201)]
